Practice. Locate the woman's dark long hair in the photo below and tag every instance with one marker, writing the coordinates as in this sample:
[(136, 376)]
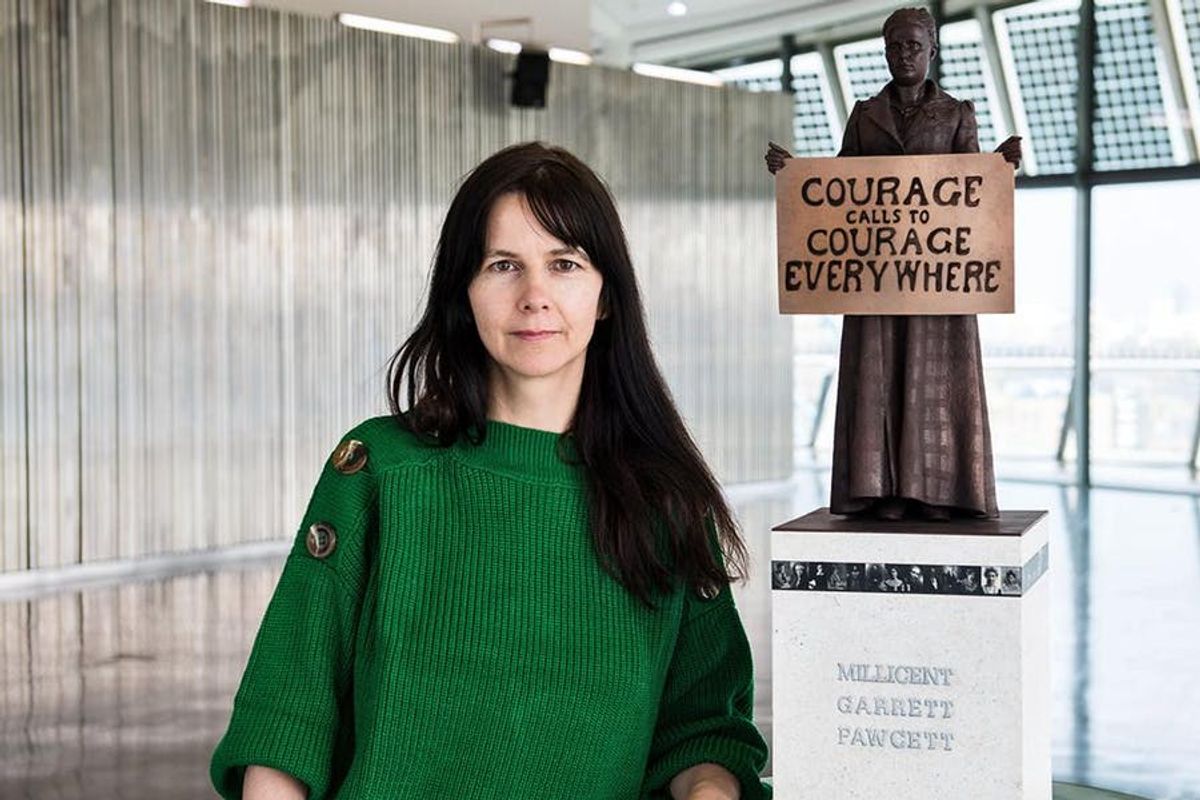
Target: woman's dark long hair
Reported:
[(646, 476)]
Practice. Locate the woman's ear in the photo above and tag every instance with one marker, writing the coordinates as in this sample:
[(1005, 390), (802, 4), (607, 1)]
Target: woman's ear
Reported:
[(602, 306)]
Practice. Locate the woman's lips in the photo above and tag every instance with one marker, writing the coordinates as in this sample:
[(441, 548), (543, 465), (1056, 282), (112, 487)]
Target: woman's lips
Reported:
[(534, 336)]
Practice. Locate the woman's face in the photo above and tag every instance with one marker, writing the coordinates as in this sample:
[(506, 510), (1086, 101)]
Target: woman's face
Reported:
[(535, 300)]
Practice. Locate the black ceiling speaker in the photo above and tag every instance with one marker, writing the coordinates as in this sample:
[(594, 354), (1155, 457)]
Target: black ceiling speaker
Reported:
[(530, 79)]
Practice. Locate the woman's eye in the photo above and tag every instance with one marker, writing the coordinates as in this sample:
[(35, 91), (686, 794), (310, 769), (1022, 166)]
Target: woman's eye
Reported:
[(561, 265)]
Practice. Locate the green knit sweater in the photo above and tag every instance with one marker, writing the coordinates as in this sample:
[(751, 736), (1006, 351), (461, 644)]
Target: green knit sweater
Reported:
[(462, 641)]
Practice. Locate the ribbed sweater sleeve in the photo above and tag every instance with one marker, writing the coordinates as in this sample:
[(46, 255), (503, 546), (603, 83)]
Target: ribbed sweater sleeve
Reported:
[(706, 711), (291, 708)]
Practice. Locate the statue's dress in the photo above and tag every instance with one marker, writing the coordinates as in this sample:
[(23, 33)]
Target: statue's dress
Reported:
[(912, 416)]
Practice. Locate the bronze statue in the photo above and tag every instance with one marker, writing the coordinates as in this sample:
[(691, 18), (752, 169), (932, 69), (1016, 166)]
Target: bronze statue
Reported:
[(911, 435)]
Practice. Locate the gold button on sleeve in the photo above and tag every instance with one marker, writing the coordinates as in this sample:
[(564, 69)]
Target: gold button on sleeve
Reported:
[(349, 457)]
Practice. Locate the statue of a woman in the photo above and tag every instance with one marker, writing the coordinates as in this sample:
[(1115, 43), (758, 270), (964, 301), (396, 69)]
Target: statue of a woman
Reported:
[(911, 435)]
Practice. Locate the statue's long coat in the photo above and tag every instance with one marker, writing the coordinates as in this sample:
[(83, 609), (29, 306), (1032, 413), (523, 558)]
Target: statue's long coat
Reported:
[(911, 411)]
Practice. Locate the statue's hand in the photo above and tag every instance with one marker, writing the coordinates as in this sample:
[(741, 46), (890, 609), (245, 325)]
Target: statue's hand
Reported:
[(775, 157), (1010, 148)]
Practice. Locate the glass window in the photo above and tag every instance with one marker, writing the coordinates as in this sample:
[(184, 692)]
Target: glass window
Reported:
[(1188, 12), (758, 76), (1184, 17), (1028, 362), (966, 76), (813, 124), (1136, 123), (1145, 340), (1135, 126), (817, 339), (862, 69), (815, 128), (1037, 47)]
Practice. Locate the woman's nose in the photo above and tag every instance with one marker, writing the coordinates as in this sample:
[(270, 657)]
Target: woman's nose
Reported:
[(534, 304), (534, 296)]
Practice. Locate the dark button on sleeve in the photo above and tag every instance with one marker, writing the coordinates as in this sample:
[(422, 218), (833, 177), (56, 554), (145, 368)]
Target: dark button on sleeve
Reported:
[(321, 539)]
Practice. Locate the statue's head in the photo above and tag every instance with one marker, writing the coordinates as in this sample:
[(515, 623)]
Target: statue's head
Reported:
[(910, 44)]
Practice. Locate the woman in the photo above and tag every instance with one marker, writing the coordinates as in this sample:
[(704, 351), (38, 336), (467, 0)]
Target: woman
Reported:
[(600, 654), (1012, 583), (911, 434), (991, 581), (893, 582)]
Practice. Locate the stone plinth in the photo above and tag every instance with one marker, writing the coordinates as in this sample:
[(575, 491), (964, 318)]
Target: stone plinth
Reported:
[(911, 659)]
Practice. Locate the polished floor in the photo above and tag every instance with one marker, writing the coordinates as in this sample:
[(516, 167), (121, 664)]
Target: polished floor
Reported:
[(122, 691)]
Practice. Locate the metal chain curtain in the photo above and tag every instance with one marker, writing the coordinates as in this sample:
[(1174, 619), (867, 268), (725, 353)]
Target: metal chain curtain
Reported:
[(216, 225)]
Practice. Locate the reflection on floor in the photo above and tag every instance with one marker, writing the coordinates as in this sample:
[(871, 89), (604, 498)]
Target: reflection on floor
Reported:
[(123, 691)]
